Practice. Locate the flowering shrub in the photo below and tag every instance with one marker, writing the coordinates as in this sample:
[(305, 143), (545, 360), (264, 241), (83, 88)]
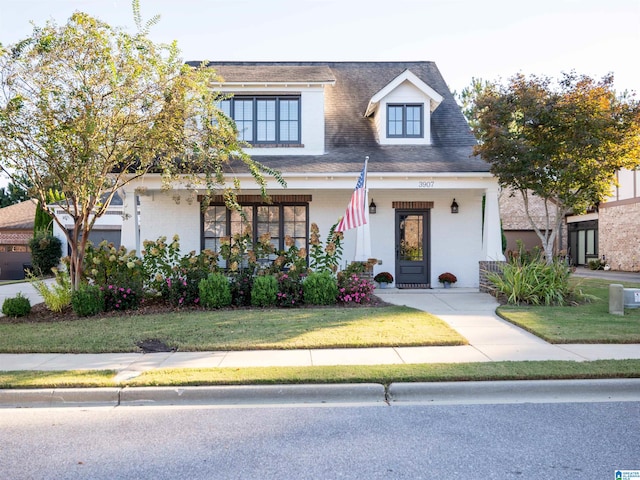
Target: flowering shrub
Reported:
[(290, 292), (158, 260), (120, 298), (241, 284), (325, 259), (447, 277), (354, 289), (106, 265), (182, 290)]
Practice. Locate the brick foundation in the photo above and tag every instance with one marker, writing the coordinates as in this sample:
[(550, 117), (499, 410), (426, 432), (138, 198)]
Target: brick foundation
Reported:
[(492, 266)]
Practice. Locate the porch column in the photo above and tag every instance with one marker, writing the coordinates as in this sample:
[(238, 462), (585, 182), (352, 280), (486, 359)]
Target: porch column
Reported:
[(491, 235), (130, 233)]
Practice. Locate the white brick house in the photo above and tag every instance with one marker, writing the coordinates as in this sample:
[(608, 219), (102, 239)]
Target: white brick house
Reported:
[(316, 122)]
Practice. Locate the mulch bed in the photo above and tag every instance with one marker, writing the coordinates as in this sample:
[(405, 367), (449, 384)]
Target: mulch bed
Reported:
[(41, 314)]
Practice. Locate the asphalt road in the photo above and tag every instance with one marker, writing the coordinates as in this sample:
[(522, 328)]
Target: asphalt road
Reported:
[(487, 441)]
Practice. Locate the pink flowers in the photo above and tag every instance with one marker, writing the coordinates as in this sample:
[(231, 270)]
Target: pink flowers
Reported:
[(356, 290)]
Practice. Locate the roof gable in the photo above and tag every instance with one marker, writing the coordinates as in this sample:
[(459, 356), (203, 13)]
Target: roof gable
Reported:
[(406, 76)]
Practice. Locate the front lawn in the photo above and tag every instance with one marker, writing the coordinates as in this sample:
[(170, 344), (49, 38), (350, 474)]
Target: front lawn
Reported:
[(243, 329), (385, 374), (586, 323)]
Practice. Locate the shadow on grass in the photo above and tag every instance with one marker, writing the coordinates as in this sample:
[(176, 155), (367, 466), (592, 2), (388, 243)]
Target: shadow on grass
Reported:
[(250, 329)]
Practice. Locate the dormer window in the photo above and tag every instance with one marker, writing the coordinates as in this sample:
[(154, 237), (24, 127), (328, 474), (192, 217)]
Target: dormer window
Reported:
[(405, 121), (265, 120)]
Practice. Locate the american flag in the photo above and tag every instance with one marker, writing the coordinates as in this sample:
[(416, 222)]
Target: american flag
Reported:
[(355, 214)]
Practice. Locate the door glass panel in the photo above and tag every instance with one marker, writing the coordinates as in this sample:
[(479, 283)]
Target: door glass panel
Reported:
[(591, 242), (411, 241), (581, 247)]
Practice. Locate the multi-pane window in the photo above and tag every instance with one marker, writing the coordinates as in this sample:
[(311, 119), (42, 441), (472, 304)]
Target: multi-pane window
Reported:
[(279, 221), (265, 119), (405, 121)]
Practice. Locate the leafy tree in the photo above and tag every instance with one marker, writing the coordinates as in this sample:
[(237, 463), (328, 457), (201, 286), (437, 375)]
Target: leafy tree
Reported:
[(468, 96), (12, 194), (562, 142), (86, 108)]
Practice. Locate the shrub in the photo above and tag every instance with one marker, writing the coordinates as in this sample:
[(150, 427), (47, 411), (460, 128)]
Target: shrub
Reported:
[(535, 283), (182, 288), (264, 291), (87, 301), (56, 295), (215, 291), (18, 306), (328, 258), (118, 297), (107, 265), (46, 251), (241, 285), (596, 264), (320, 289), (355, 290), (290, 293)]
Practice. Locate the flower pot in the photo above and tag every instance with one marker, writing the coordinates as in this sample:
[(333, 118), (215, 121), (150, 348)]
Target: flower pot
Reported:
[(383, 284), (447, 284)]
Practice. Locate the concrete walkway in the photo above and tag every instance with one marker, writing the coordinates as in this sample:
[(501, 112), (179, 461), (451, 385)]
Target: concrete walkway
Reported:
[(469, 312)]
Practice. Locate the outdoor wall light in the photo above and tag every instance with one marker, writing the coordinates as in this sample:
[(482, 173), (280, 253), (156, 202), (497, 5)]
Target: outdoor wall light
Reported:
[(454, 206), (372, 207)]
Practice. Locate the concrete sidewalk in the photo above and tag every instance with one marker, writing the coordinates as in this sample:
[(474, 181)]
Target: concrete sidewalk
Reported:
[(469, 312)]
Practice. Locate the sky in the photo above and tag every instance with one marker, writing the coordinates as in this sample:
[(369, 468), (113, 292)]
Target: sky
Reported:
[(486, 39)]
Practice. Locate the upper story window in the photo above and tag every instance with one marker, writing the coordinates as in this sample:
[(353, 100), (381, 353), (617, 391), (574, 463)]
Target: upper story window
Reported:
[(404, 121), (264, 120)]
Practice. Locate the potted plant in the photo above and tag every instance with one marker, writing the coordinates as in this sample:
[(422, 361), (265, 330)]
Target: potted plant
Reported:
[(383, 278), (447, 279)]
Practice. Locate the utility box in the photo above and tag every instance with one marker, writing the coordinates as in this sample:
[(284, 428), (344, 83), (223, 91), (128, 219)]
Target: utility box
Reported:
[(632, 298)]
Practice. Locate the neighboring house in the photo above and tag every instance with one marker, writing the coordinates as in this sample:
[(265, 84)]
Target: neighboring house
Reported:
[(612, 232), (316, 122), (108, 227), (517, 226), (16, 229), (609, 232)]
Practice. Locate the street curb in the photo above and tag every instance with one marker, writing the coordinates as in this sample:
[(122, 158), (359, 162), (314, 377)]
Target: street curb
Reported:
[(433, 393), (59, 397), (207, 395), (516, 391), (254, 395)]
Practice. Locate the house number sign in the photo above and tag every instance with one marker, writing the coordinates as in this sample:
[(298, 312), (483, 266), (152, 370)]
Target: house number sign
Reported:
[(426, 184)]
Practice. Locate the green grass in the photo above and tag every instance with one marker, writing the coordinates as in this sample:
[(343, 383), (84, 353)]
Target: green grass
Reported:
[(586, 323), (234, 330), (384, 374)]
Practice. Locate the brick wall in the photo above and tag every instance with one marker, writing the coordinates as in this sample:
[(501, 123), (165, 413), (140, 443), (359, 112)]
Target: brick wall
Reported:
[(486, 267), (619, 235)]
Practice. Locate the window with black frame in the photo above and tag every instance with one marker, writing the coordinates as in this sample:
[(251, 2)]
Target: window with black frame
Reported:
[(405, 121), (265, 120), (279, 221)]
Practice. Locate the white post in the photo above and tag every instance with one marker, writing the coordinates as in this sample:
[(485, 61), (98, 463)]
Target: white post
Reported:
[(130, 233), (491, 236)]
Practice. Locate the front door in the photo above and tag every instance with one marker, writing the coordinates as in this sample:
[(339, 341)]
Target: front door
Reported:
[(412, 249)]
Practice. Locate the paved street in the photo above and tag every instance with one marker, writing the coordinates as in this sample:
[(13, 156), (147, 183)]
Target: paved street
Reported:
[(586, 441)]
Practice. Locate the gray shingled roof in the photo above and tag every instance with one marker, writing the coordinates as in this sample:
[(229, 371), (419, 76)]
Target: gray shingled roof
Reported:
[(272, 73), (350, 136), (19, 216)]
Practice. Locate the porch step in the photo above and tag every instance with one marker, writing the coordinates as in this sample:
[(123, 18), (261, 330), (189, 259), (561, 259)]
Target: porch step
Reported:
[(412, 285)]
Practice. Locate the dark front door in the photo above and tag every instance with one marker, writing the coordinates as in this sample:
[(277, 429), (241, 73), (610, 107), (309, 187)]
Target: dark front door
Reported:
[(412, 249)]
